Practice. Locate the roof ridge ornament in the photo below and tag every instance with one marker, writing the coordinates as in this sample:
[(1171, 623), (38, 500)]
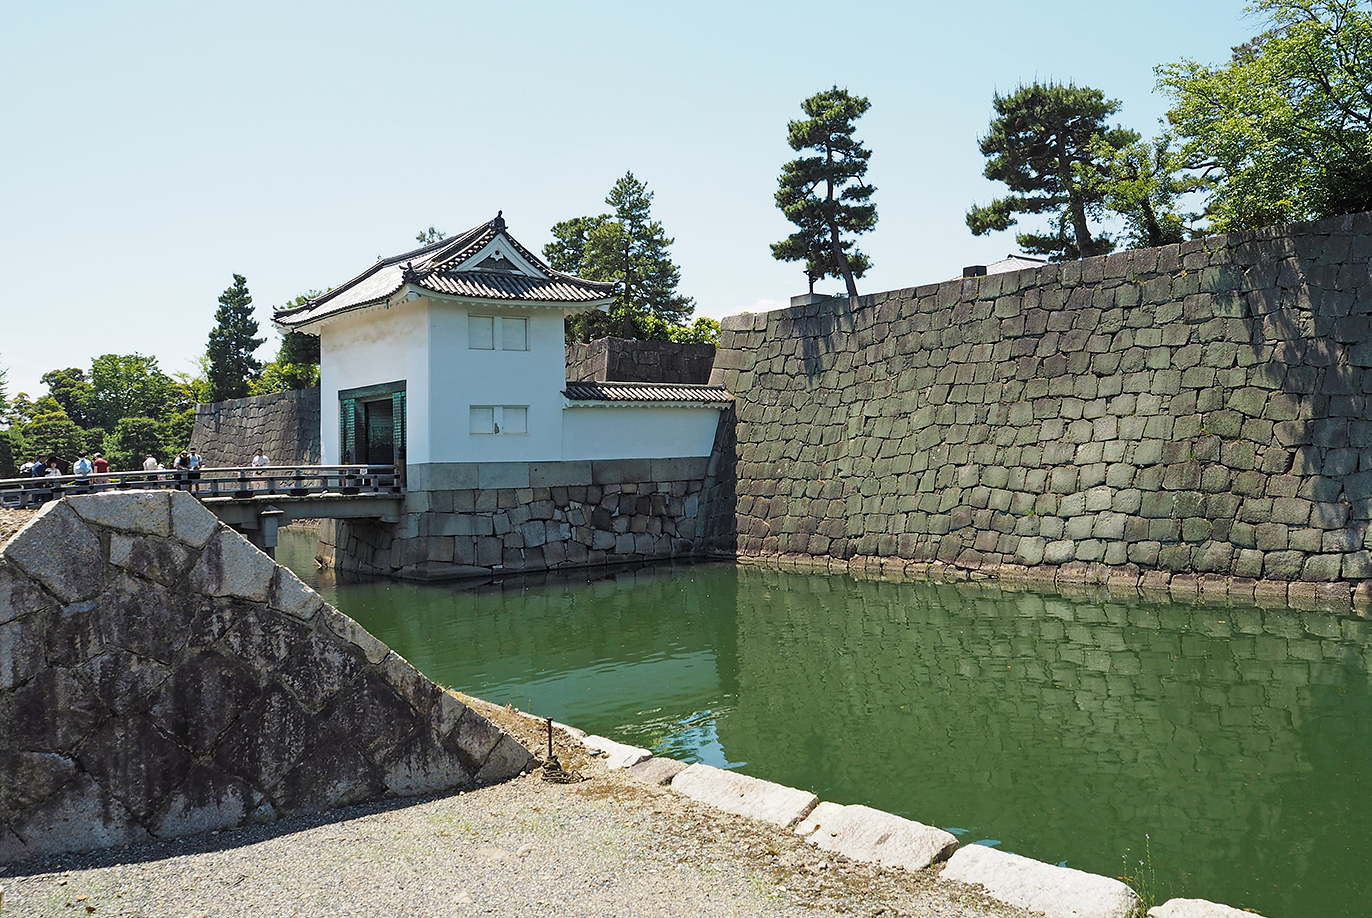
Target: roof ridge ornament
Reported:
[(410, 274), (498, 224)]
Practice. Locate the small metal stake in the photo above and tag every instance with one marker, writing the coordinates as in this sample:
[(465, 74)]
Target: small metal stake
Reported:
[(550, 738)]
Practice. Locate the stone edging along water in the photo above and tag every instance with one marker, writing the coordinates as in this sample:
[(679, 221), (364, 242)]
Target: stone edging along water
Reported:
[(864, 834), (1342, 597)]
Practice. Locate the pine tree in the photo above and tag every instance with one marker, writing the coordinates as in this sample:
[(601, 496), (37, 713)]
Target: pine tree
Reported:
[(231, 344), (838, 168), (629, 248), (1049, 143)]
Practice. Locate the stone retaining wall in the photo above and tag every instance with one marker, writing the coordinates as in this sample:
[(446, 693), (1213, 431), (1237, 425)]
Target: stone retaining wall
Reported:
[(160, 677), (478, 519), (631, 360), (1196, 410), (284, 424)]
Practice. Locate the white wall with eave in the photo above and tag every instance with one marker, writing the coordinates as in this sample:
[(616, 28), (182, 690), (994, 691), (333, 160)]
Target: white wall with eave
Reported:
[(463, 376), (369, 347), (638, 432)]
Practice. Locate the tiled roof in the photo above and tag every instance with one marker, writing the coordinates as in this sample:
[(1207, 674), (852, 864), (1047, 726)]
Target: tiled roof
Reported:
[(646, 392), (432, 267)]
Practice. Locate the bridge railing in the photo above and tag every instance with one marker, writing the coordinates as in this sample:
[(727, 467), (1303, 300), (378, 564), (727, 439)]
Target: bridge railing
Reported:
[(231, 483)]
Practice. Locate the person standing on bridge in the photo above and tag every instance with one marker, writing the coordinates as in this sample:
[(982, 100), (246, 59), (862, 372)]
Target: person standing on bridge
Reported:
[(193, 462), (102, 467), (260, 462)]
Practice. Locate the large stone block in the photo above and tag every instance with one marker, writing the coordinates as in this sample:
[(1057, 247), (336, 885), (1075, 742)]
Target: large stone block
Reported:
[(58, 550), (744, 796), (1056, 891), (864, 834)]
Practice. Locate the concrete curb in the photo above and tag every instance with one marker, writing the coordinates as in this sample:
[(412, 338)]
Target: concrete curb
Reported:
[(864, 834), (744, 796), (1059, 892)]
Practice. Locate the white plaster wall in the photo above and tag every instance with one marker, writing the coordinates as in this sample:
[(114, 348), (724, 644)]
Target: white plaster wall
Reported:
[(622, 432), (462, 377), (372, 346)]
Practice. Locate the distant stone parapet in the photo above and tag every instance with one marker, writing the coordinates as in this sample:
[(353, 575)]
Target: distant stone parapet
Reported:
[(284, 424), (632, 360), (160, 677)]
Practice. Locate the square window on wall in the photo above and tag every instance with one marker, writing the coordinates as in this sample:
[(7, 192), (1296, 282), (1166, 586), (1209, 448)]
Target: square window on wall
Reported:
[(481, 333), (482, 419), (514, 334), (498, 419), (514, 419)]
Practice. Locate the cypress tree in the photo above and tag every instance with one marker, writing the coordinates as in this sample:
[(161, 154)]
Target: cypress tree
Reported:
[(231, 344)]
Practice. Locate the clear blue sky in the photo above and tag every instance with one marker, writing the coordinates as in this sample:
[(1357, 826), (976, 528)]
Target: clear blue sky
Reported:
[(151, 150)]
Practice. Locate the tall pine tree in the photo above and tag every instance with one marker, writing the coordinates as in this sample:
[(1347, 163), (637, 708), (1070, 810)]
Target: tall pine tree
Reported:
[(231, 344), (629, 248), (825, 194), (1049, 143)]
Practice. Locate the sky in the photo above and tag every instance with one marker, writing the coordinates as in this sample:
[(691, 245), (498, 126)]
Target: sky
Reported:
[(152, 150)]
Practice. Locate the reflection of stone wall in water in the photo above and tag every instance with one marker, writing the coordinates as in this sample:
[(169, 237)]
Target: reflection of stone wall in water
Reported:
[(160, 677), (1004, 712), (284, 424), (1193, 409)]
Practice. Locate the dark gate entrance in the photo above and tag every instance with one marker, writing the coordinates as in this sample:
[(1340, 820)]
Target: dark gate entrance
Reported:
[(379, 437)]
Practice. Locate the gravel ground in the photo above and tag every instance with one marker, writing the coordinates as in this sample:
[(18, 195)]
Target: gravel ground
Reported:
[(607, 845), (11, 521)]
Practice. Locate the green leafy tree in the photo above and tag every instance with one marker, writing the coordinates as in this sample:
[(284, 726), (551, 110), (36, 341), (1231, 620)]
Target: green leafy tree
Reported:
[(630, 249), (132, 440), (1145, 183), (1284, 130), (4, 397), (1049, 143), (10, 448), (72, 390), (702, 331), (430, 235), (825, 194), (125, 386), (232, 343), (52, 433)]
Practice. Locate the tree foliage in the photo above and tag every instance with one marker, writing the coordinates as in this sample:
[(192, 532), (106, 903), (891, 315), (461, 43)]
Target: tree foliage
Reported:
[(232, 343), (825, 194), (430, 235), (125, 385), (1049, 143), (1145, 185), (1283, 131), (630, 249)]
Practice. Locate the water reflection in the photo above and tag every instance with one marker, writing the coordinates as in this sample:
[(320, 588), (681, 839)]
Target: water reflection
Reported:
[(1239, 739)]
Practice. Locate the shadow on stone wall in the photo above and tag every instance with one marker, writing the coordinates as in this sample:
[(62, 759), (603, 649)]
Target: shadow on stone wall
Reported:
[(161, 677)]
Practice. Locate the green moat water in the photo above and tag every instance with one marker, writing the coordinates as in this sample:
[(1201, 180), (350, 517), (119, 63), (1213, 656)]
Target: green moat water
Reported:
[(1237, 740)]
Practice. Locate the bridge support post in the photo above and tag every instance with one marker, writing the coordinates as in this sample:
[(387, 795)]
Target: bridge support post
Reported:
[(264, 536)]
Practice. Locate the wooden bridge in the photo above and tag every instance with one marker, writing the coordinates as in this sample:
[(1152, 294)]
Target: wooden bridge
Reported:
[(255, 501)]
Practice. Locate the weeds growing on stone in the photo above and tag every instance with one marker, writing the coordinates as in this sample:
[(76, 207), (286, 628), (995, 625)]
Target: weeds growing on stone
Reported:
[(1142, 878)]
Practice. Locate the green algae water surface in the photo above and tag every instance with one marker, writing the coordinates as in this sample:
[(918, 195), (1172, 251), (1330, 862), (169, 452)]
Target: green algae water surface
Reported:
[(1235, 743)]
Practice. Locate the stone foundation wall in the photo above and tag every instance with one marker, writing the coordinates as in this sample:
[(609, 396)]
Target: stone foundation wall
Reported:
[(160, 677), (1197, 410), (480, 519), (629, 360), (284, 424)]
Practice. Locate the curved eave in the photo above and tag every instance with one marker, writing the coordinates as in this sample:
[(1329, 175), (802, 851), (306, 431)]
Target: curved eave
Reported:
[(403, 296)]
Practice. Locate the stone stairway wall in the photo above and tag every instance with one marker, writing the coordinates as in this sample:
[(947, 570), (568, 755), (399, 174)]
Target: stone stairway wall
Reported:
[(160, 677)]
